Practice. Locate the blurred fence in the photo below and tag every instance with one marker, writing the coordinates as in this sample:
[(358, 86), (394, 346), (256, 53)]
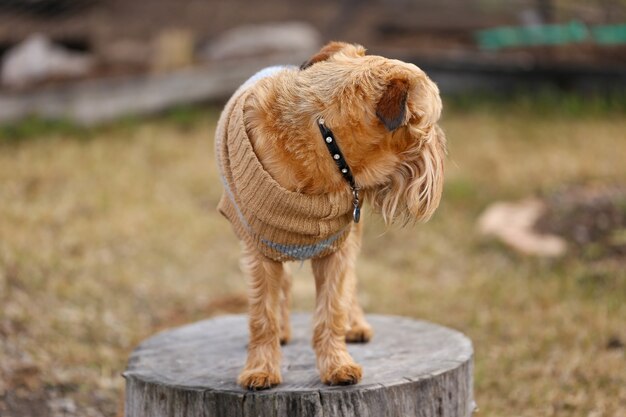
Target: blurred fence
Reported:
[(66, 50)]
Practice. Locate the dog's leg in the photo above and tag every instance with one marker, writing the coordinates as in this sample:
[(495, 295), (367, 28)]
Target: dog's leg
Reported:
[(359, 330), (262, 369), (333, 299), (285, 302)]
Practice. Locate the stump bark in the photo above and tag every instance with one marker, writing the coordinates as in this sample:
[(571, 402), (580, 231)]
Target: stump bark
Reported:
[(411, 368)]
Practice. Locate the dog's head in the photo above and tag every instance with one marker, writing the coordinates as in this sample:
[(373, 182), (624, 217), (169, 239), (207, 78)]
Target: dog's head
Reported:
[(384, 112)]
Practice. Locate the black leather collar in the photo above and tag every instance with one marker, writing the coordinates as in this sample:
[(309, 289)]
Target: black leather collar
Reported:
[(342, 164)]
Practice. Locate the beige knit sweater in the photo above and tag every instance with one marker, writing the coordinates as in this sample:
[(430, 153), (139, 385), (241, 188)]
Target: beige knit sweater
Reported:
[(282, 224)]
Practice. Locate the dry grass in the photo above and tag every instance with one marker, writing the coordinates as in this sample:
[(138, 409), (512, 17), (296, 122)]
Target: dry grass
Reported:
[(106, 239)]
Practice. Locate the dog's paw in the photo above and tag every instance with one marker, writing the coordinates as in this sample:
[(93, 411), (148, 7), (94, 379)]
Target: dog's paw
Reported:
[(258, 379), (347, 374), (360, 333)]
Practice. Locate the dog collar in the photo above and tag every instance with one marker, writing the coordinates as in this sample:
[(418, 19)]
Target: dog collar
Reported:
[(342, 164)]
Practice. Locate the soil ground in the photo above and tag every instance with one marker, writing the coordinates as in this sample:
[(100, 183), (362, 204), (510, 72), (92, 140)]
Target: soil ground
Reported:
[(109, 235)]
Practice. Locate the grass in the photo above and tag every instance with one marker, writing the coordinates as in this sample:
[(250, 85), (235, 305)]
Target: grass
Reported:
[(109, 235)]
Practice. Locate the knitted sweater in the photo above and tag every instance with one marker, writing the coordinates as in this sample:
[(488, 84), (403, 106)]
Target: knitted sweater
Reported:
[(283, 225)]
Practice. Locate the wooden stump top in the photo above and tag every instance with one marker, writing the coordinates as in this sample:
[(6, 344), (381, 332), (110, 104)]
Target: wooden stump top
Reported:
[(411, 368)]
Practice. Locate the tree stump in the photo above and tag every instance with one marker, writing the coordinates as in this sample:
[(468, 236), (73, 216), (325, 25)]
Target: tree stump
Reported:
[(411, 368)]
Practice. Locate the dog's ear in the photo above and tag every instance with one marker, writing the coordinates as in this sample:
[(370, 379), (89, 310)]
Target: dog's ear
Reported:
[(391, 107), (331, 49)]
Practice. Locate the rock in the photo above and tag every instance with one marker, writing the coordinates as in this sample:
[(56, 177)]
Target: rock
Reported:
[(37, 59), (591, 217), (257, 40), (513, 224)]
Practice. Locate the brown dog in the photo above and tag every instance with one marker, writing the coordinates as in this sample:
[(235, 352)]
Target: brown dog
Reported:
[(298, 150)]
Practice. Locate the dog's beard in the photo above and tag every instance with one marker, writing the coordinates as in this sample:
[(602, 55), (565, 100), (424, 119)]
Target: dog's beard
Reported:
[(414, 189)]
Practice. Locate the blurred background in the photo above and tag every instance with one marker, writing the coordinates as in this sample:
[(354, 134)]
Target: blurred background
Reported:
[(108, 188)]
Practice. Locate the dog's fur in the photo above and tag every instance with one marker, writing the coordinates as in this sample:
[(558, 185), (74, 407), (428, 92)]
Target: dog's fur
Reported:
[(384, 114)]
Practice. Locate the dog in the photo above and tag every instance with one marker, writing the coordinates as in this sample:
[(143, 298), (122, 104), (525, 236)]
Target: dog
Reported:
[(299, 150)]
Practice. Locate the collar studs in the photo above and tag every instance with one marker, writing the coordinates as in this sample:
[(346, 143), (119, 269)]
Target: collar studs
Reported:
[(342, 165)]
